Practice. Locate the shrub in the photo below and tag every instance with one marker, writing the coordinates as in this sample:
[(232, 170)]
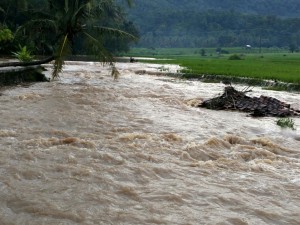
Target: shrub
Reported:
[(23, 54), (234, 57), (6, 35), (6, 40), (286, 123)]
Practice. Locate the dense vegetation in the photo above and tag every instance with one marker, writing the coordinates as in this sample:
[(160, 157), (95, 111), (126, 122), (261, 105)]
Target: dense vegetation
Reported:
[(37, 24), (281, 8), (62, 28), (223, 23)]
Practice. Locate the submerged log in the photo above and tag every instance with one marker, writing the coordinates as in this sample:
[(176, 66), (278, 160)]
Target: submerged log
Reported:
[(232, 99)]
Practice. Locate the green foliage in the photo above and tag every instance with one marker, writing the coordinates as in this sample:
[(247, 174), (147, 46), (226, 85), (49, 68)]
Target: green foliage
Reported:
[(203, 52), (76, 26), (24, 55), (293, 47), (6, 40), (276, 88), (281, 8), (286, 123), (6, 35), (235, 57), (65, 27), (279, 65), (224, 23)]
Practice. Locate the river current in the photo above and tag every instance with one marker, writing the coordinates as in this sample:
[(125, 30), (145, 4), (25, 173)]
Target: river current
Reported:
[(88, 149)]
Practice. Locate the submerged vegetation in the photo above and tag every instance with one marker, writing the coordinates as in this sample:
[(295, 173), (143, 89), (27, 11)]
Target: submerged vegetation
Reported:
[(286, 123)]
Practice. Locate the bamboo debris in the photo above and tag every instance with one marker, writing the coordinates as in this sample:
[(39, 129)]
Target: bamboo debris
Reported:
[(232, 99)]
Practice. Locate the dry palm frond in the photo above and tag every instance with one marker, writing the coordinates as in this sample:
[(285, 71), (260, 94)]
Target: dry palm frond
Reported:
[(114, 72), (63, 50), (114, 32)]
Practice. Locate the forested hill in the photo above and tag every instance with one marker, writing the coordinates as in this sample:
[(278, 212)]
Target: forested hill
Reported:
[(280, 8), (201, 23)]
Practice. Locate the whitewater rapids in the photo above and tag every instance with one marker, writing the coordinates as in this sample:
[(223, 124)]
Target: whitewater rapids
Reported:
[(88, 149)]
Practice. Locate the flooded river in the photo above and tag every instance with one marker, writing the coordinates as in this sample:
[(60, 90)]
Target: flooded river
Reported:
[(90, 150)]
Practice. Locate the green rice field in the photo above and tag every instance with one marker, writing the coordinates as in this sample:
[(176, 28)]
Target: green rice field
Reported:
[(271, 64)]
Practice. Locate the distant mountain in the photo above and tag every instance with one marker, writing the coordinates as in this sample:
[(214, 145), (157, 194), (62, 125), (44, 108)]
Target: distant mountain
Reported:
[(193, 23)]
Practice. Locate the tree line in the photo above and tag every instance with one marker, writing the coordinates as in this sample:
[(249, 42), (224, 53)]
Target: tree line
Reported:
[(280, 8), (218, 29)]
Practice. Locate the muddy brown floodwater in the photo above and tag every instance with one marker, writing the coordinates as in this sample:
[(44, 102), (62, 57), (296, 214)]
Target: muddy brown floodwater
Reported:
[(90, 150)]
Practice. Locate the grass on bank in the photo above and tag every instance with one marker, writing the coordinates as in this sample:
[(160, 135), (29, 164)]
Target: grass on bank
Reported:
[(272, 64)]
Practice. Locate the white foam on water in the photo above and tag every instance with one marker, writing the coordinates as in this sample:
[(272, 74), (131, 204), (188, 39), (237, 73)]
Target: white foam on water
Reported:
[(88, 149)]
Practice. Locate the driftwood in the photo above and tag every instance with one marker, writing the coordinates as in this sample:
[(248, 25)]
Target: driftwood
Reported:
[(232, 99)]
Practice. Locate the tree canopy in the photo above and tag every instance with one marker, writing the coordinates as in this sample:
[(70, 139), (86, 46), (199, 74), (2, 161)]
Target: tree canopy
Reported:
[(216, 23), (61, 28)]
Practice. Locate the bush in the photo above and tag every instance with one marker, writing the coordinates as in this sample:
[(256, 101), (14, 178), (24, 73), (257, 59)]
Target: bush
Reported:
[(234, 57), (286, 123), (23, 54), (6, 35), (6, 40)]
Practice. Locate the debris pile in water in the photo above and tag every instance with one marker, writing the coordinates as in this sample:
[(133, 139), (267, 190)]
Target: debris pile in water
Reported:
[(232, 99)]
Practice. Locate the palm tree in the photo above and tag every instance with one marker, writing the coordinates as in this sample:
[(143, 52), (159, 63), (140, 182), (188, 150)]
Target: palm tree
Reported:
[(66, 20), (73, 18)]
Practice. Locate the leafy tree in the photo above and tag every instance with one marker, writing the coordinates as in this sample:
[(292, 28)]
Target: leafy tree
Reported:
[(293, 47), (13, 14)]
